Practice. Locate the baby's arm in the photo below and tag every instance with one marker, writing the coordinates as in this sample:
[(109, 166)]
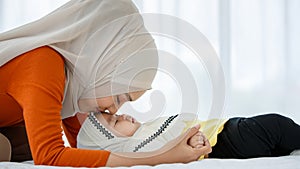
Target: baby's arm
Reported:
[(198, 140)]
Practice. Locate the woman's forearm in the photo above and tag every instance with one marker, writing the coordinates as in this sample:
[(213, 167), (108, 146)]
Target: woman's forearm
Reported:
[(142, 158)]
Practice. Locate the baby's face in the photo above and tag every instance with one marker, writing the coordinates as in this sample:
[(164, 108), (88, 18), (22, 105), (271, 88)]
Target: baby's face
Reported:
[(123, 124)]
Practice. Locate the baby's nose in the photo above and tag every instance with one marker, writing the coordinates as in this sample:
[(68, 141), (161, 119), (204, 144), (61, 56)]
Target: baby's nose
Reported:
[(121, 117), (125, 117)]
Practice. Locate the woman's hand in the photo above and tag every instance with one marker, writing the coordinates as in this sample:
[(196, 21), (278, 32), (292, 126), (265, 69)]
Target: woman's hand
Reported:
[(176, 151), (184, 152)]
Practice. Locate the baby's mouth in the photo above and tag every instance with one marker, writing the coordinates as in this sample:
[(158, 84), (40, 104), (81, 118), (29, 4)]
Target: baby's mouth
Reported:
[(133, 120)]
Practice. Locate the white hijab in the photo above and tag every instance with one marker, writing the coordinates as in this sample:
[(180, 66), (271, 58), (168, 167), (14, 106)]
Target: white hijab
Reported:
[(107, 49)]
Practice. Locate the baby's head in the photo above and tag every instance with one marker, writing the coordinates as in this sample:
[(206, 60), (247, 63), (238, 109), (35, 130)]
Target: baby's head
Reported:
[(109, 132), (121, 125), (122, 133)]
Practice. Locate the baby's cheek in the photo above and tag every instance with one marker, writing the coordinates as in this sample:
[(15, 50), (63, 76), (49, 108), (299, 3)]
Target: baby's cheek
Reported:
[(124, 129), (131, 130), (120, 129)]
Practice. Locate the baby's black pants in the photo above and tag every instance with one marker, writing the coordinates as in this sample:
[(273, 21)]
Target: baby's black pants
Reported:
[(268, 135)]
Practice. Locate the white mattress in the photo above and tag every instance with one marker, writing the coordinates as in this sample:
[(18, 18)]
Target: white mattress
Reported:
[(285, 162)]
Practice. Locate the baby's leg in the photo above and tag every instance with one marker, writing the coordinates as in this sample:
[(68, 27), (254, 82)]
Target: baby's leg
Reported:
[(285, 130), (264, 135)]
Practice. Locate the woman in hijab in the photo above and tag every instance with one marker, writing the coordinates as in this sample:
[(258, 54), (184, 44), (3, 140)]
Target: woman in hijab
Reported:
[(90, 55)]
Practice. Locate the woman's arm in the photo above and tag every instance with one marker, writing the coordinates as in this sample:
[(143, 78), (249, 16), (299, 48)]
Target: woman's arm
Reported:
[(38, 87), (176, 151)]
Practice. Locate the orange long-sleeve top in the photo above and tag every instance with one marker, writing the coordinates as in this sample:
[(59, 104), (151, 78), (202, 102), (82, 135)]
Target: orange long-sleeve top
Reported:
[(31, 92)]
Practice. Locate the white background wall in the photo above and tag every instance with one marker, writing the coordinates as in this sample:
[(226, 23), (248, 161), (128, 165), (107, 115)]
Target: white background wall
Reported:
[(257, 42)]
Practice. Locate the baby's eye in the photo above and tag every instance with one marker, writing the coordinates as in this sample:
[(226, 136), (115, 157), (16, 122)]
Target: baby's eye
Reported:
[(116, 122)]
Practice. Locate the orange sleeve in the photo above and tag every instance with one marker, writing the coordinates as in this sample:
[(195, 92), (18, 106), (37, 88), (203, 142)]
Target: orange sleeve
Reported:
[(38, 87), (71, 128)]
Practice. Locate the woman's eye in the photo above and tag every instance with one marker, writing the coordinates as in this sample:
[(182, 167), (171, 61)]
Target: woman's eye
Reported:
[(116, 122)]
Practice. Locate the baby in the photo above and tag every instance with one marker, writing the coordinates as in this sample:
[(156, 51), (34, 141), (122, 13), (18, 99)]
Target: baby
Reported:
[(123, 133), (239, 137)]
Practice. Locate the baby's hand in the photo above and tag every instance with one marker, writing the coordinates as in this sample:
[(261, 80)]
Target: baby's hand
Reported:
[(198, 140)]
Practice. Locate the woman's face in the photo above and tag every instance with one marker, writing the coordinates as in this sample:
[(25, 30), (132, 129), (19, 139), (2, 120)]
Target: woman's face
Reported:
[(124, 125), (109, 104)]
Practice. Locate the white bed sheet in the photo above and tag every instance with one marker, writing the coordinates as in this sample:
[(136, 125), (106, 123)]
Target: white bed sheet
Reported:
[(284, 162)]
